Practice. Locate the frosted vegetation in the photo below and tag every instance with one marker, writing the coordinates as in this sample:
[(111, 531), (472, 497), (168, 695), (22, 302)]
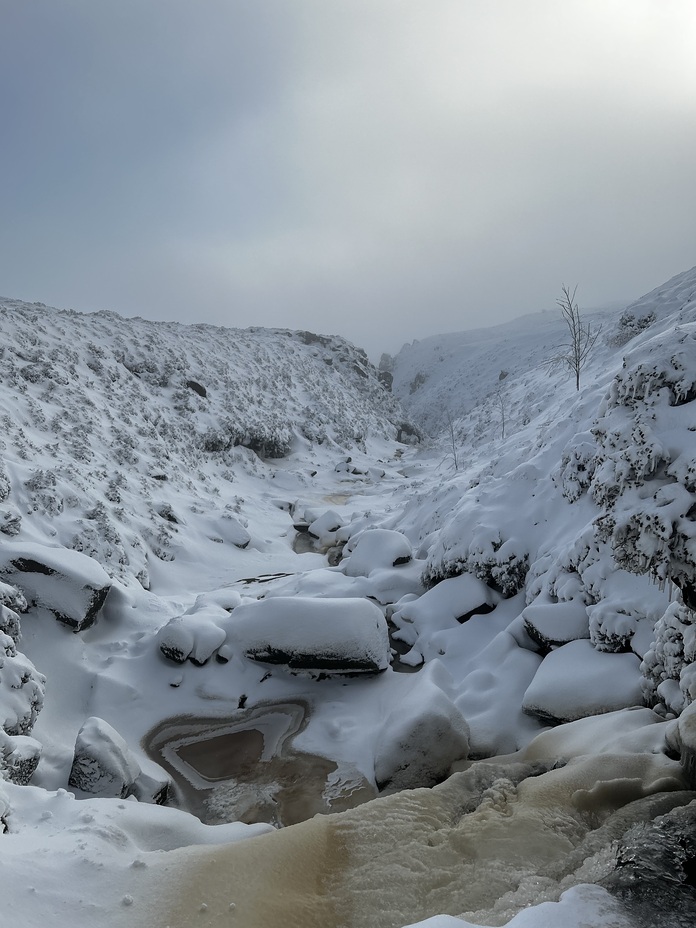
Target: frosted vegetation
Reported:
[(237, 590)]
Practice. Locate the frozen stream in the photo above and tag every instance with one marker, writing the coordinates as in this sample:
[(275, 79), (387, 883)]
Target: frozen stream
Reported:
[(246, 768)]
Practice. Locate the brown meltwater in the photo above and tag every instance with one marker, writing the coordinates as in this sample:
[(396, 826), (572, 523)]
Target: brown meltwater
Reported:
[(245, 768)]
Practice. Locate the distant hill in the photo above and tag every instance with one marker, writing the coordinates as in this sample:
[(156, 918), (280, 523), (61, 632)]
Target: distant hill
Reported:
[(459, 374)]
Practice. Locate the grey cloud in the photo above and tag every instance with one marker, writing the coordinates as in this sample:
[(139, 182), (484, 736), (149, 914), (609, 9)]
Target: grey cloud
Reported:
[(380, 169)]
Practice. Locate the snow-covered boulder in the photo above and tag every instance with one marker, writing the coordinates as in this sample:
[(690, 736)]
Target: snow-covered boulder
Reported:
[(323, 635), (19, 758), (231, 530), (193, 637), (102, 764), (447, 605), (422, 737), (324, 527), (552, 624), (687, 743), (69, 584), (576, 681), (376, 548), (153, 785)]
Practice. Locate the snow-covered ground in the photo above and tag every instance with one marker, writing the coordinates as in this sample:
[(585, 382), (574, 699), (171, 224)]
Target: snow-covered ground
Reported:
[(211, 538)]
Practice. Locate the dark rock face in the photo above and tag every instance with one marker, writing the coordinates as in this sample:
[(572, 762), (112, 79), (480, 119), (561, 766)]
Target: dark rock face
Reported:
[(197, 388), (386, 378), (26, 565), (311, 661), (655, 874), (95, 602), (408, 433)]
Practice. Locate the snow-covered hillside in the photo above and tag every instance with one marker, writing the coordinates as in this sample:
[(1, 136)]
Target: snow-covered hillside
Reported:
[(113, 429), (466, 373), (256, 638)]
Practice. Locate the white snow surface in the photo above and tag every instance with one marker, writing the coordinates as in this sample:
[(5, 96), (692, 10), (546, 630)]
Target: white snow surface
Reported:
[(149, 452)]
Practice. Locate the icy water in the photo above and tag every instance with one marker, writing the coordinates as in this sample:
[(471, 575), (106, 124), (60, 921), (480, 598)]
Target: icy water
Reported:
[(489, 842), (246, 768)]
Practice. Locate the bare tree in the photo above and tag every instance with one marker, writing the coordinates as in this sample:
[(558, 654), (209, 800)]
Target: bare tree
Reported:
[(452, 440), (500, 402), (582, 337)]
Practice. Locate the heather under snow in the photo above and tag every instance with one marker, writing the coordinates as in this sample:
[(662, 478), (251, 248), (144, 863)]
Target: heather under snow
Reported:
[(280, 646)]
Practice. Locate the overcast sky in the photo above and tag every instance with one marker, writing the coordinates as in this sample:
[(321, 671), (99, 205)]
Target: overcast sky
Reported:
[(380, 169)]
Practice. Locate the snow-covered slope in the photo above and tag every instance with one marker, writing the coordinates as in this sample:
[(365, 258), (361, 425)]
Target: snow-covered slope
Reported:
[(113, 429), (466, 373)]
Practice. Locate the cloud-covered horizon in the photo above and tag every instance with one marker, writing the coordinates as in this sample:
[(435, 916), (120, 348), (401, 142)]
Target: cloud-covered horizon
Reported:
[(380, 169)]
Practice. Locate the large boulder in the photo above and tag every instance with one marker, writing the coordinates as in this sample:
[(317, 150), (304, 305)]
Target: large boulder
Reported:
[(323, 635), (576, 681), (422, 737), (687, 743), (102, 764), (193, 637), (375, 548), (551, 625), (69, 584)]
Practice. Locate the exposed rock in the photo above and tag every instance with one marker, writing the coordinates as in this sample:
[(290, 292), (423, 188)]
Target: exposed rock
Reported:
[(103, 764), (655, 875), (386, 378), (408, 433), (197, 388), (153, 785)]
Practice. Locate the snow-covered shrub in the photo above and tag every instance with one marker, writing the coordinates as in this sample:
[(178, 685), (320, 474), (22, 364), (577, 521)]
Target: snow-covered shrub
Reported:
[(645, 474), (21, 689), (577, 468), (501, 563), (19, 757), (5, 485), (669, 667), (628, 326)]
